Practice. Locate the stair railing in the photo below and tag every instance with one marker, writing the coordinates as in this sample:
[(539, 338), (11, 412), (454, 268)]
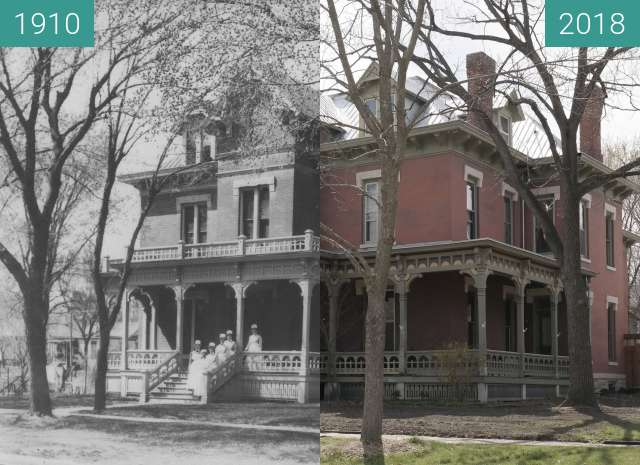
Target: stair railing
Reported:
[(218, 376), (161, 372)]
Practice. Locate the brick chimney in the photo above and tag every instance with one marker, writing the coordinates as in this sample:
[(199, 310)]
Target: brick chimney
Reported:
[(590, 123), (481, 70)]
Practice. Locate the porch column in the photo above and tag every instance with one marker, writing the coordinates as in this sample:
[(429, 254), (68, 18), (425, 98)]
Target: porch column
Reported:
[(480, 277), (334, 293), (240, 290), (179, 297), (153, 330), (306, 287), (403, 291), (125, 329), (521, 295), (142, 330), (555, 301)]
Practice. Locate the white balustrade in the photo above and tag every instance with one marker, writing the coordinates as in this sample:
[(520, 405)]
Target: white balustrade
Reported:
[(272, 361), (504, 364), (156, 254), (439, 363), (272, 245), (113, 360), (146, 360)]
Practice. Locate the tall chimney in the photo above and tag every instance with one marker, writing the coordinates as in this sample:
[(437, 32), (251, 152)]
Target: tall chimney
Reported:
[(590, 142), (481, 70)]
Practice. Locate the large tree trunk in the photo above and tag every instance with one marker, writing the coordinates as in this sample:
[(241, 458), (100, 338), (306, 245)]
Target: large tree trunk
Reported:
[(36, 336), (100, 399), (581, 371), (374, 377)]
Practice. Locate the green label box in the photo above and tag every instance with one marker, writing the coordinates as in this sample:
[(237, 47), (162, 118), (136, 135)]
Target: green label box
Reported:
[(592, 23), (46, 23)]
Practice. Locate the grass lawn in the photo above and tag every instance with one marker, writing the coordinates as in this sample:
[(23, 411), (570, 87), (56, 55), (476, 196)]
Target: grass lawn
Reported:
[(339, 451), (617, 419)]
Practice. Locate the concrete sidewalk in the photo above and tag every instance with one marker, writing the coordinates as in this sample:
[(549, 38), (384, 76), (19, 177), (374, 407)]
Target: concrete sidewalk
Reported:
[(514, 442)]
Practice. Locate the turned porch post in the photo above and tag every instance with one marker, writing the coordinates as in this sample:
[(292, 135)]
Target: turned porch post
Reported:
[(306, 288), (521, 295), (334, 294), (178, 291), (240, 290), (402, 290), (153, 330), (125, 329), (480, 277)]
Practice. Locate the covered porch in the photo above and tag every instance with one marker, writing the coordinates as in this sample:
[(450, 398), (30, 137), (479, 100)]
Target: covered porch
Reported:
[(468, 314), (199, 298)]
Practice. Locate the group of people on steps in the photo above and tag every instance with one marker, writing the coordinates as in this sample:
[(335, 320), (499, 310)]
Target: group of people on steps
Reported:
[(203, 360)]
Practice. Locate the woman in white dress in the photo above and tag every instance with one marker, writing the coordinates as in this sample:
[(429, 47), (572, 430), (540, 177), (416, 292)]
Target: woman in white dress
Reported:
[(222, 353), (195, 380), (254, 344)]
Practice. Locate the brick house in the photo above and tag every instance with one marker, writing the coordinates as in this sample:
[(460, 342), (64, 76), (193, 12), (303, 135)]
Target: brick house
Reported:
[(471, 267), (228, 243)]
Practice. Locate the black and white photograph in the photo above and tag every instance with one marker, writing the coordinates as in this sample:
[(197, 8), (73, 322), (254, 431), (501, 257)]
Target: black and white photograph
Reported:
[(159, 242)]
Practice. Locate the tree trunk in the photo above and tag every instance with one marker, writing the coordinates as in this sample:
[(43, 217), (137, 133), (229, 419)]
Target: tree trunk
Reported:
[(100, 399), (36, 336), (581, 389), (374, 377)]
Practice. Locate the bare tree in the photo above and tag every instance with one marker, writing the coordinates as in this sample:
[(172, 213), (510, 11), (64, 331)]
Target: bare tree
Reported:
[(51, 101), (558, 90), (389, 131)]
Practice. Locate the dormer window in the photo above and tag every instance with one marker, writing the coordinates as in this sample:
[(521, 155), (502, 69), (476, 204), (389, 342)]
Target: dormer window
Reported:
[(504, 126), (200, 141)]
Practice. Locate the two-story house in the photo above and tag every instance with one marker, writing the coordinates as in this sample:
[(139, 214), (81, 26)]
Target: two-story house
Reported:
[(229, 243), (471, 268)]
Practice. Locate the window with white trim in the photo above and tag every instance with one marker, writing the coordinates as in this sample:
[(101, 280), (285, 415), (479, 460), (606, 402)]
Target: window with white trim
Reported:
[(508, 218), (541, 245), (254, 212), (611, 331), (609, 225), (371, 211), (193, 228), (504, 126), (472, 208), (584, 228)]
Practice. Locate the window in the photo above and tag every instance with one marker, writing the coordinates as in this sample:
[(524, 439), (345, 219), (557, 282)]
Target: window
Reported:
[(254, 212), (194, 223), (611, 330), (371, 211), (584, 229), (509, 320), (372, 105), (540, 240), (508, 219), (609, 223), (472, 320), (504, 125), (472, 209)]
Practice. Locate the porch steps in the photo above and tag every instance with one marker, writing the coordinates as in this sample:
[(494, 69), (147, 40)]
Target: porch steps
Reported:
[(173, 390)]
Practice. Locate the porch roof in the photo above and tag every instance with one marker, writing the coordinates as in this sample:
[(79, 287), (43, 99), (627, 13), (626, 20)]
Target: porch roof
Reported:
[(424, 257)]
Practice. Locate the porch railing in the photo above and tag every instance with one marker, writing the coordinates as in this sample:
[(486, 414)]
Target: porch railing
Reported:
[(306, 242), (440, 362), (141, 360), (218, 376), (280, 362)]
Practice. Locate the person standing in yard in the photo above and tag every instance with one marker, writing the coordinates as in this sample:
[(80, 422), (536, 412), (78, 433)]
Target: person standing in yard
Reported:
[(230, 343), (221, 349), (254, 344)]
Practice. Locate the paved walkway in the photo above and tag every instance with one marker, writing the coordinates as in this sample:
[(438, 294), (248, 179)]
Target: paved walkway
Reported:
[(515, 442), (283, 428)]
